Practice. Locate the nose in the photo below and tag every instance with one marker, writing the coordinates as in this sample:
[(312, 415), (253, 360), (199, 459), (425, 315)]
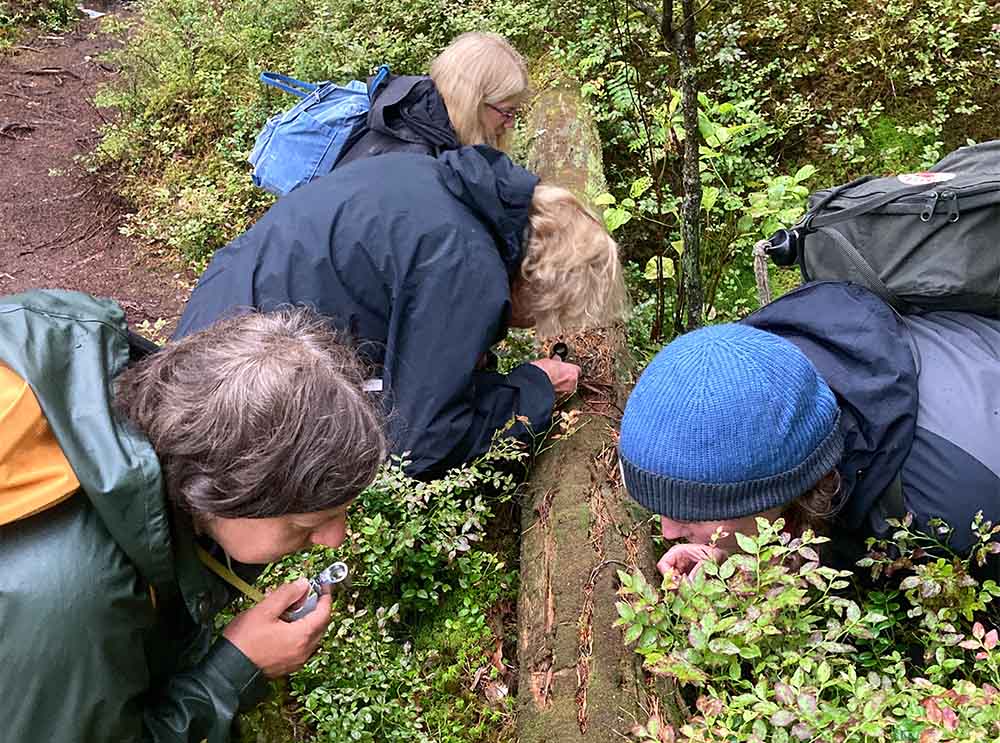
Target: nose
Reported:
[(331, 533), (509, 122), (671, 530)]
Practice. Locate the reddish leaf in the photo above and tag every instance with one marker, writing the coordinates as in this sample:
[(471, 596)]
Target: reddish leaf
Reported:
[(784, 693), (934, 714), (782, 718), (709, 706), (978, 630), (990, 641), (950, 718)]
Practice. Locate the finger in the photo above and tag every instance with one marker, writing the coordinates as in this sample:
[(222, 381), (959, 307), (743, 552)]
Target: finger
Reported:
[(282, 597), (316, 622), (664, 564)]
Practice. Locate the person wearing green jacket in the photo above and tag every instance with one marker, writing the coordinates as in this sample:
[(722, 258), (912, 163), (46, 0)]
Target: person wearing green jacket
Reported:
[(248, 439)]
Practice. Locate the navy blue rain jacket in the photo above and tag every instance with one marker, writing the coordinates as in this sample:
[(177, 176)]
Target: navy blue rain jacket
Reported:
[(920, 402), (411, 255)]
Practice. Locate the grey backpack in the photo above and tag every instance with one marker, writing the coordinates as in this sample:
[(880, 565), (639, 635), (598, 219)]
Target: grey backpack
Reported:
[(921, 241)]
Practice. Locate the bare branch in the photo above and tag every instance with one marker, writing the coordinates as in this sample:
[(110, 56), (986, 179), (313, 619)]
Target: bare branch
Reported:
[(647, 10)]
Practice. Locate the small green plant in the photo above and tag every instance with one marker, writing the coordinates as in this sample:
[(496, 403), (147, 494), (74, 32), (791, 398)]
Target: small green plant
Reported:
[(153, 330), (780, 648), (409, 652), (16, 16)]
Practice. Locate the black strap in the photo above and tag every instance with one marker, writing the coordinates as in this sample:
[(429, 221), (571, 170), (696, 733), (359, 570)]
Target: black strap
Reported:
[(140, 347), (814, 220), (872, 280)]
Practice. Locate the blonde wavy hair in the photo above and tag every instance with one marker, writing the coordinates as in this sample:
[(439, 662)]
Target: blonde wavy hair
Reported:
[(570, 277), (475, 69)]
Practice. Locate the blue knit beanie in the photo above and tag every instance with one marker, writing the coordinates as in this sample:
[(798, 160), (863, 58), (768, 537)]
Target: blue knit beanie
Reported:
[(725, 422)]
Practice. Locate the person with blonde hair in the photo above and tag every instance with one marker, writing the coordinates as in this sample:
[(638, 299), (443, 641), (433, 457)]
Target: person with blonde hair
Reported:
[(472, 96), (426, 262), (483, 81)]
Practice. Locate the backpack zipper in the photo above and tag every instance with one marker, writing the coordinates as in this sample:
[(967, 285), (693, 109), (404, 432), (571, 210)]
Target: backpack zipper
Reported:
[(930, 204), (952, 198)]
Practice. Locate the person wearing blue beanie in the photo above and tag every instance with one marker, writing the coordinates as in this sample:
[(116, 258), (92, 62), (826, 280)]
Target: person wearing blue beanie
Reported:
[(725, 424), (825, 408)]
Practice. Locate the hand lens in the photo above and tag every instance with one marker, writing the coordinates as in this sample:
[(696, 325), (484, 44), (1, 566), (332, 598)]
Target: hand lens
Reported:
[(334, 576)]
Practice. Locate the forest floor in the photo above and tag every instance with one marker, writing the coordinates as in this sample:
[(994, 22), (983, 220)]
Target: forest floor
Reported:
[(59, 223)]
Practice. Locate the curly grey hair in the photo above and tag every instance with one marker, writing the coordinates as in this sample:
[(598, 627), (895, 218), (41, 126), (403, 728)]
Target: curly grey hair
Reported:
[(257, 416)]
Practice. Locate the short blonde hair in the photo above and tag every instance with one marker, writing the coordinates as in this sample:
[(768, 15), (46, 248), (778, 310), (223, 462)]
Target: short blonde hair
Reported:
[(570, 277), (476, 69)]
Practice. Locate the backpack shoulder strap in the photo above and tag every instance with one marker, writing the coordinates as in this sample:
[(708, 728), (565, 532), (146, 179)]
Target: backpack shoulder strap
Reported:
[(288, 84)]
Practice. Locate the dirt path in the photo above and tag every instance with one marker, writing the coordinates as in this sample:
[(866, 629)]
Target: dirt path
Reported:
[(59, 225)]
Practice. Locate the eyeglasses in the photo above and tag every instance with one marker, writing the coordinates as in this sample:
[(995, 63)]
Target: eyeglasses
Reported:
[(507, 115)]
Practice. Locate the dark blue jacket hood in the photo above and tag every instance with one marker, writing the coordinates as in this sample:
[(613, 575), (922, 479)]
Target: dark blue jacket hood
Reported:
[(862, 348), (407, 114), (498, 191)]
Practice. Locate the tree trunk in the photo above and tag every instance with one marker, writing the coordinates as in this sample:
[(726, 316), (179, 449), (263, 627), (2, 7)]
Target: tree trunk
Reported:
[(578, 682)]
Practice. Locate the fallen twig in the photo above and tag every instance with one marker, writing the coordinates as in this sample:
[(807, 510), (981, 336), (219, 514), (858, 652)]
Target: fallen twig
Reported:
[(51, 71), (8, 129), (54, 240), (18, 95)]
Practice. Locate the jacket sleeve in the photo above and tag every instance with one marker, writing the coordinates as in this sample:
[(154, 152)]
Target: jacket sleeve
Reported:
[(200, 704), (444, 412)]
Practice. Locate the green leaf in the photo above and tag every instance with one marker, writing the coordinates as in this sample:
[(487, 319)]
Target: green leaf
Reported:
[(604, 199), (632, 633), (707, 129), (615, 218), (747, 544), (804, 173), (625, 579), (709, 195), (640, 186), (625, 611), (723, 646), (650, 271)]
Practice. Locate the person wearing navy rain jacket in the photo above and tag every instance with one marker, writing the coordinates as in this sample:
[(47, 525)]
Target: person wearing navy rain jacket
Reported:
[(426, 262)]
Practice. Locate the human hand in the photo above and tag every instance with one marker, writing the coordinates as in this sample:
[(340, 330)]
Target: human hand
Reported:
[(564, 377), (684, 558), (273, 645)]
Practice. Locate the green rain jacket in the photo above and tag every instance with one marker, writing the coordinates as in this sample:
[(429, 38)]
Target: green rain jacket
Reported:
[(104, 605)]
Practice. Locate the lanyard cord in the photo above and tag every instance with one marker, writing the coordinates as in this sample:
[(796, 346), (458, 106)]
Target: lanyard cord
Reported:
[(227, 575)]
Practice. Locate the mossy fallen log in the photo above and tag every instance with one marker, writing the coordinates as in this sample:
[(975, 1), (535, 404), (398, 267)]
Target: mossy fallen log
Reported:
[(577, 680)]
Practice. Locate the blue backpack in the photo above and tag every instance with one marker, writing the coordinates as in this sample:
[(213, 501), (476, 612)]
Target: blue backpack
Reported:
[(306, 141)]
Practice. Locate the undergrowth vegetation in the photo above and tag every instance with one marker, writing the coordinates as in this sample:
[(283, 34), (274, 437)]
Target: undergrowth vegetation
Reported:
[(420, 642), (779, 648), (17, 16)]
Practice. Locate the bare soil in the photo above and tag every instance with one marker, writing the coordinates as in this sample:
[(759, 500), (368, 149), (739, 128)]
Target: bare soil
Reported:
[(59, 224)]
